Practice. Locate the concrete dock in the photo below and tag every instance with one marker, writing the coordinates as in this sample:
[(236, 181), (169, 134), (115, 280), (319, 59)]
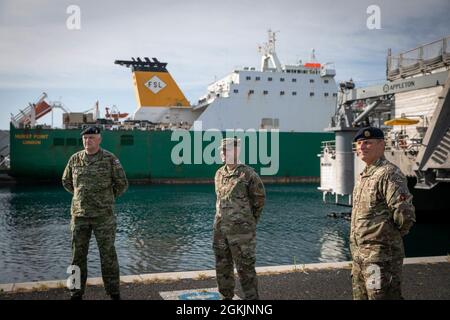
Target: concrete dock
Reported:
[(425, 278)]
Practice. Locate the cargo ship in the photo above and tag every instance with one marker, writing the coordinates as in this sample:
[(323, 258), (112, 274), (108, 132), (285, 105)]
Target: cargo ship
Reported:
[(278, 111), (412, 107)]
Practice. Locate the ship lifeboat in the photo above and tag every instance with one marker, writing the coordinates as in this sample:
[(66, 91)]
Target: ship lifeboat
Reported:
[(115, 114), (40, 109), (314, 65)]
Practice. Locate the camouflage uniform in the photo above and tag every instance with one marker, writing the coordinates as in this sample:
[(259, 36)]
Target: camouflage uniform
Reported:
[(382, 214), (240, 200), (95, 182)]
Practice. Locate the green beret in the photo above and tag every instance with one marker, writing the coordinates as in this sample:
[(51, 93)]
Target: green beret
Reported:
[(90, 130)]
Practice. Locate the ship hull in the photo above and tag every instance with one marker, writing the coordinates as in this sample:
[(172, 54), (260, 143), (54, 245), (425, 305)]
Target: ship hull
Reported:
[(42, 154)]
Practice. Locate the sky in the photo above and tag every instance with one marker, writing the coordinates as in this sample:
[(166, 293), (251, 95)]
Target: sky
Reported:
[(200, 40)]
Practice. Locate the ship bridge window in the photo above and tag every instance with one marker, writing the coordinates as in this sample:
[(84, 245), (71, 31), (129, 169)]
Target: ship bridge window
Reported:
[(334, 94), (326, 94), (294, 93), (236, 91), (325, 81), (282, 79), (265, 92), (257, 78), (58, 141), (248, 78), (270, 123), (281, 93), (269, 79), (251, 91), (294, 80), (71, 142), (311, 80), (126, 140), (311, 94)]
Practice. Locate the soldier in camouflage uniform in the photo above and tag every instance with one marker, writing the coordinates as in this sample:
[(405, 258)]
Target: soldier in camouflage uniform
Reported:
[(382, 214), (96, 178), (240, 201)]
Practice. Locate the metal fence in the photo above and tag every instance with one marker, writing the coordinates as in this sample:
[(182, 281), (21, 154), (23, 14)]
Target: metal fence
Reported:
[(422, 59)]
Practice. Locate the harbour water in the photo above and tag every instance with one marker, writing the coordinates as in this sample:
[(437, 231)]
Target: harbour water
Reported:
[(164, 228)]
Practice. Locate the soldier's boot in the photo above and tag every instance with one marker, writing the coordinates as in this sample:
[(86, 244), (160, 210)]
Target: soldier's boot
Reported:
[(225, 285)]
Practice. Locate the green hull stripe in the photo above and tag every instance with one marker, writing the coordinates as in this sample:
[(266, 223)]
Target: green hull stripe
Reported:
[(146, 155)]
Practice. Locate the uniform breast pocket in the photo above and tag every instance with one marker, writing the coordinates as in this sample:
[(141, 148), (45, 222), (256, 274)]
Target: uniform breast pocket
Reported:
[(371, 194), (104, 176), (103, 172), (376, 202)]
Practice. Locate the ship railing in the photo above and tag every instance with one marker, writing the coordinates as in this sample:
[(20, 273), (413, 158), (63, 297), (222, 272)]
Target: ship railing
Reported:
[(328, 147), (23, 114), (418, 60), (400, 141)]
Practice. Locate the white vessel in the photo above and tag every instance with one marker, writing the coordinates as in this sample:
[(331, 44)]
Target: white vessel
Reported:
[(291, 98)]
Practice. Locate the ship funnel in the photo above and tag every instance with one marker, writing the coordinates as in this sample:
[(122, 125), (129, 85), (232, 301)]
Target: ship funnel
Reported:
[(153, 84)]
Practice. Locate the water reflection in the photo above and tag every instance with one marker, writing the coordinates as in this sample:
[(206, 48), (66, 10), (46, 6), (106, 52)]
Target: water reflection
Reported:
[(334, 247)]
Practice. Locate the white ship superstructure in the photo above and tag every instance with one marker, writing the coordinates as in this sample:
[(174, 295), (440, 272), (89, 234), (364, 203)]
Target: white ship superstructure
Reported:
[(291, 98)]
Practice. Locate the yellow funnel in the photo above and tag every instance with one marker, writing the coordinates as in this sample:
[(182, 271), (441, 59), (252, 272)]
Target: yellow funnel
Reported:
[(153, 84)]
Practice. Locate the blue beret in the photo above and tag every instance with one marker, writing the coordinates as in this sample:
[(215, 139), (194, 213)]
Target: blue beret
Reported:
[(368, 133), (91, 130)]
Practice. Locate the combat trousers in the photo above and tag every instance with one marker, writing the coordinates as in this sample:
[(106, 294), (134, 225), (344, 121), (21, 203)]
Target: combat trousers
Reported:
[(104, 229), (367, 285), (239, 249)]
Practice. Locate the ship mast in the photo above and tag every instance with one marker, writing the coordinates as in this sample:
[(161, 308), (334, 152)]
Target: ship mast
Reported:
[(269, 55)]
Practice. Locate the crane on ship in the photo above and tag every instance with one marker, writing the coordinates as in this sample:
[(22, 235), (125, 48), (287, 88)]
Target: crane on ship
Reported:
[(95, 108)]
